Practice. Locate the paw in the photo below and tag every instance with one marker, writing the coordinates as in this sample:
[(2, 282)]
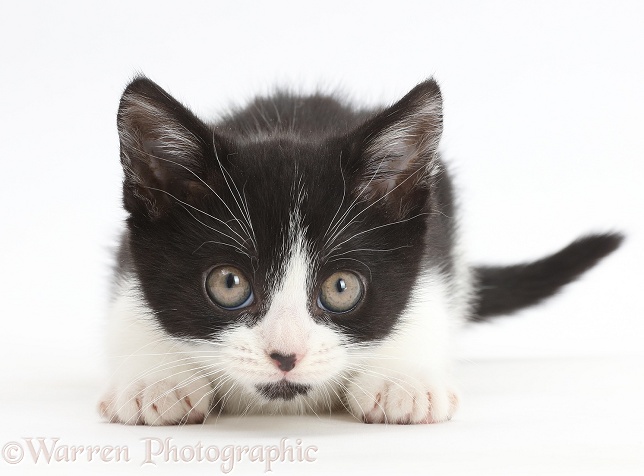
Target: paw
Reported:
[(154, 401), (400, 400)]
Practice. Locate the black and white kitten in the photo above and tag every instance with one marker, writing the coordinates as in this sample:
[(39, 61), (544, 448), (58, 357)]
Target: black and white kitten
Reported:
[(297, 256)]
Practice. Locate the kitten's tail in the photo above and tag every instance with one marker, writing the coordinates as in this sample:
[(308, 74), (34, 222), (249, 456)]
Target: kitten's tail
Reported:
[(506, 289)]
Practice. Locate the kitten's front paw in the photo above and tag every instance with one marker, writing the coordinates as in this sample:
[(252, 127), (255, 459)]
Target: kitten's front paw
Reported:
[(167, 401), (392, 399)]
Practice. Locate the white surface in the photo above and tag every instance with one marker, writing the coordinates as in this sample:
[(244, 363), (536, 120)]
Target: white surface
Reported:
[(520, 417), (544, 113)]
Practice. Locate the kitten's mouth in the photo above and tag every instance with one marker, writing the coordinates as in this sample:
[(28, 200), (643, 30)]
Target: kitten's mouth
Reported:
[(283, 390)]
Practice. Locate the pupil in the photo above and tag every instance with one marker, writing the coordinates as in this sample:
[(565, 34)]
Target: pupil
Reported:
[(340, 285), (231, 280)]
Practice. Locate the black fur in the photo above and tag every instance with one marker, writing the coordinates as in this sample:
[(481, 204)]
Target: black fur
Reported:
[(187, 183), (180, 206), (283, 390), (506, 289)]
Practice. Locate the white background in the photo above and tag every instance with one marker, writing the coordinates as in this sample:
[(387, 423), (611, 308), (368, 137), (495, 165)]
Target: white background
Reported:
[(544, 113)]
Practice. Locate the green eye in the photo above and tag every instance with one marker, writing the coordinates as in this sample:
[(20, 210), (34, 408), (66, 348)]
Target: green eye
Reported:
[(229, 288), (341, 292)]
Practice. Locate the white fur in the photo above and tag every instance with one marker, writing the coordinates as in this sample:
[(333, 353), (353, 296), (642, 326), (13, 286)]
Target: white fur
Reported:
[(287, 328), (153, 378), (403, 379), (406, 379)]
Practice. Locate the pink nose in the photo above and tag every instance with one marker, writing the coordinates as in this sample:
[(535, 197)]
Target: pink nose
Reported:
[(284, 362)]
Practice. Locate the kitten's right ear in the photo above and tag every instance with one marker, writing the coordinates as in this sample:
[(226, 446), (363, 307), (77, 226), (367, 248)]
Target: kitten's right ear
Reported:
[(163, 149), (394, 155)]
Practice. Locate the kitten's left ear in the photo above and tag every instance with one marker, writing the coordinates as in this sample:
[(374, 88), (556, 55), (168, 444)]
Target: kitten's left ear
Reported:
[(397, 149)]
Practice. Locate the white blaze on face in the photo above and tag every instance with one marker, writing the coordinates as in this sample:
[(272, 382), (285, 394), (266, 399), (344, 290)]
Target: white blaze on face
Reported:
[(287, 325), (243, 353)]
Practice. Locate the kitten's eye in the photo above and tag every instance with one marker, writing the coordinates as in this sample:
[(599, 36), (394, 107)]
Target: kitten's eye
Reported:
[(228, 288), (340, 292)]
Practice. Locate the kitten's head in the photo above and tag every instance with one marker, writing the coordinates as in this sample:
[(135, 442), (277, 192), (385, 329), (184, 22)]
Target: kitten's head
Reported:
[(276, 255)]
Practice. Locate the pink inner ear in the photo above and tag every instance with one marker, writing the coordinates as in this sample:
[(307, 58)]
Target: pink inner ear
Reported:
[(393, 170), (401, 152), (155, 168)]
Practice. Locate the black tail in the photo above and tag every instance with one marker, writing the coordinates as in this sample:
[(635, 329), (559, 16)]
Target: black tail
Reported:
[(505, 289)]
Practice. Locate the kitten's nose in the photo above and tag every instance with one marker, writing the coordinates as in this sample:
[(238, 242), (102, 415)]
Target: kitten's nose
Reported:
[(284, 362)]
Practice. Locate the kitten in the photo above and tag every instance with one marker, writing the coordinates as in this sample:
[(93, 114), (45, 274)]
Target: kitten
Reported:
[(297, 256)]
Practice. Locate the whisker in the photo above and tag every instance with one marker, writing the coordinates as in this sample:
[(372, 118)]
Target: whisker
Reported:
[(373, 229), (344, 192), (186, 204), (198, 178), (226, 174), (352, 205), (339, 232)]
